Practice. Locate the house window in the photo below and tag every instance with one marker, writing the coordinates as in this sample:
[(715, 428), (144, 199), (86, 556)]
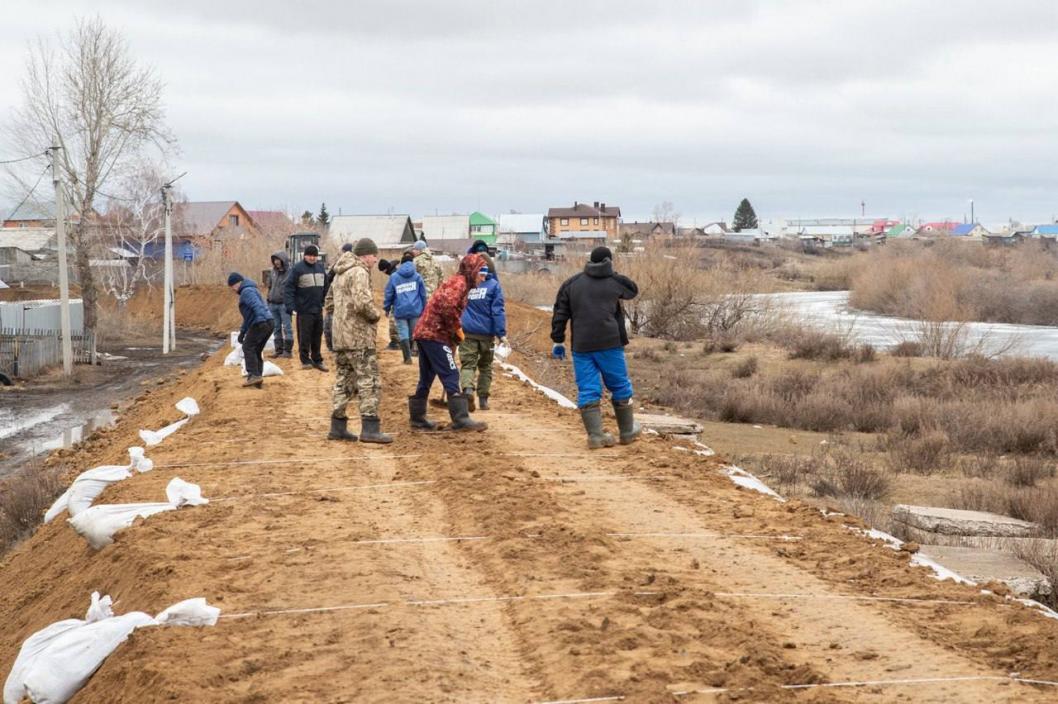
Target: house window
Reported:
[(233, 220), (565, 221), (596, 221), (584, 221)]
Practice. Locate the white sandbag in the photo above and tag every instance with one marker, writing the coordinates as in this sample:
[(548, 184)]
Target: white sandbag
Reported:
[(90, 484), (234, 357), (181, 493), (56, 662), (190, 612), (503, 351), (188, 406), (267, 369), (233, 338), (98, 524)]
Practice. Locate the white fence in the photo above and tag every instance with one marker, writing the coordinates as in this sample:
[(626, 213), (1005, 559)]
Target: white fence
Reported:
[(40, 315)]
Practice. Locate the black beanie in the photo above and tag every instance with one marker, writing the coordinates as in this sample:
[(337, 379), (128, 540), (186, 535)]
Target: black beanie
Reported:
[(601, 254), (347, 247), (234, 278), (312, 251), (383, 265)]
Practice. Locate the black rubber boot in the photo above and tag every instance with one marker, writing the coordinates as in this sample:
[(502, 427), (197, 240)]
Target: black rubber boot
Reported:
[(483, 402), (320, 366), (469, 393), (405, 349), (417, 411), (392, 345), (461, 420), (598, 438), (626, 422), (369, 431), (252, 380), (340, 430)]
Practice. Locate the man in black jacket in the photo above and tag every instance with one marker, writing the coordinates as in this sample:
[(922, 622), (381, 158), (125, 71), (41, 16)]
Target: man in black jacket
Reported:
[(305, 289), (284, 331), (591, 302)]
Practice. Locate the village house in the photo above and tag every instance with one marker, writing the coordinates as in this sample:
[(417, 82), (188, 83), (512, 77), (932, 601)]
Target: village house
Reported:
[(521, 231), (647, 230), (445, 227), (392, 233), (969, 230), (583, 221), (482, 227)]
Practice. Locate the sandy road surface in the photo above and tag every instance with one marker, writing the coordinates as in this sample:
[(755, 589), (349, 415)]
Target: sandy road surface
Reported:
[(509, 566)]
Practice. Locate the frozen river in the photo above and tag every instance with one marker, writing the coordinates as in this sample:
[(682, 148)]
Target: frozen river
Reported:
[(830, 310)]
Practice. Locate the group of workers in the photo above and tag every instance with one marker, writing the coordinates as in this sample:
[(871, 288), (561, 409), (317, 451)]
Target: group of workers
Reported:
[(432, 318)]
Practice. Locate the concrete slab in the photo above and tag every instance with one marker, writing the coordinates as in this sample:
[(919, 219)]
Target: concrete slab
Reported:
[(1014, 546), (985, 566), (668, 425), (950, 521)]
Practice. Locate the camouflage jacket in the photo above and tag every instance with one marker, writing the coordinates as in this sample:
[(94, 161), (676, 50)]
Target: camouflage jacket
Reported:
[(429, 270), (353, 306)]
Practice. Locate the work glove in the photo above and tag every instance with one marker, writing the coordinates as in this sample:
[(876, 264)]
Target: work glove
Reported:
[(373, 317), (558, 351), (503, 341)]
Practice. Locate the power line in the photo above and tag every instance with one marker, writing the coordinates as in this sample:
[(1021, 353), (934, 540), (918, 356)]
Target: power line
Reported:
[(31, 191), (25, 158)]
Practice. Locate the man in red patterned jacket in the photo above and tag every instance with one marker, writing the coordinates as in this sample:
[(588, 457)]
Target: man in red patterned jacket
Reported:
[(439, 332)]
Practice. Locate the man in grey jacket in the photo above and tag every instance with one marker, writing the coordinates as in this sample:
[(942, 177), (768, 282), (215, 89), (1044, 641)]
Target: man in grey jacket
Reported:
[(284, 334)]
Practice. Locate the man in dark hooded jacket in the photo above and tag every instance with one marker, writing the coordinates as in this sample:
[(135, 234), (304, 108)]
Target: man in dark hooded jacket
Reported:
[(284, 332), (303, 294), (256, 326), (591, 302)]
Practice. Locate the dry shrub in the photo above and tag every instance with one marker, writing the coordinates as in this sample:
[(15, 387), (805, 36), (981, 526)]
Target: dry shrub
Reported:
[(24, 497), (843, 474), (1037, 505), (907, 348), (1028, 470), (810, 343), (920, 454), (746, 368), (1043, 555)]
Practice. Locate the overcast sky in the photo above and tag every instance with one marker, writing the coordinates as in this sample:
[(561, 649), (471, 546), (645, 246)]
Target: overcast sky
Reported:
[(806, 107)]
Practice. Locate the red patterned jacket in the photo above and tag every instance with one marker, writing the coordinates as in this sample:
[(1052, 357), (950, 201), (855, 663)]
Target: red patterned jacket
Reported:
[(440, 320)]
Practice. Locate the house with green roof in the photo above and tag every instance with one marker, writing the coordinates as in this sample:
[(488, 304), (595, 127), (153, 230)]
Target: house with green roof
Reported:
[(482, 227), (904, 231)]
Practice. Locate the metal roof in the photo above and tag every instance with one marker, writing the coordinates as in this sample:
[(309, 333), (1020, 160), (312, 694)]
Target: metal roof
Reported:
[(583, 210), (203, 217), (28, 239), (388, 231), (479, 218), (445, 227)]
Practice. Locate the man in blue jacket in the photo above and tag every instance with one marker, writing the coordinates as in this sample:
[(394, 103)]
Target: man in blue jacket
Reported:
[(405, 298), (591, 303), (257, 326), (484, 319), (303, 294)]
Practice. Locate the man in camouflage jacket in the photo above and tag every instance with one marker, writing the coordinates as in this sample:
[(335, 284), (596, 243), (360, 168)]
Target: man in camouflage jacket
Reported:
[(428, 269), (353, 308)]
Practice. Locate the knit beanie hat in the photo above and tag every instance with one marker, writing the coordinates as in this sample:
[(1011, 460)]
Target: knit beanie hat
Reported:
[(234, 278), (365, 246), (420, 245), (347, 247), (383, 265), (478, 247), (312, 251), (601, 254)]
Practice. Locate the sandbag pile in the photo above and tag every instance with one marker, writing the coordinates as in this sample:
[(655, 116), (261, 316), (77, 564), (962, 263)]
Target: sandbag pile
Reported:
[(90, 484), (188, 406), (98, 524), (55, 662)]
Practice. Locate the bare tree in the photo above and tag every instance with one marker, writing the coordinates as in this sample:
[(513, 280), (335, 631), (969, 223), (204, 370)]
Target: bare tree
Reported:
[(86, 91), (665, 211)]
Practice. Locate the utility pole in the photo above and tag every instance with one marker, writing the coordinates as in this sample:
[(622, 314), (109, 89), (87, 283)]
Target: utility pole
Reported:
[(64, 274), (972, 219), (168, 317)]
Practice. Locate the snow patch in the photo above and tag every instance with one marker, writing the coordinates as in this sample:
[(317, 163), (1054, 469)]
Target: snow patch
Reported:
[(748, 481)]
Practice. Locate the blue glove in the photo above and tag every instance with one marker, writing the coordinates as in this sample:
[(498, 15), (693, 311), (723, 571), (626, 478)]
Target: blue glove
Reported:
[(558, 351)]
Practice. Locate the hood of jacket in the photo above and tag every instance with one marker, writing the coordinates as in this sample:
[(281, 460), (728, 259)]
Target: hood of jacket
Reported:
[(407, 269), (599, 270), (346, 262), (284, 260)]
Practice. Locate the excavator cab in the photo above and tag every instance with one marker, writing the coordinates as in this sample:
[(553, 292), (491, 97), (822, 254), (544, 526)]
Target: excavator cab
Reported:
[(297, 243)]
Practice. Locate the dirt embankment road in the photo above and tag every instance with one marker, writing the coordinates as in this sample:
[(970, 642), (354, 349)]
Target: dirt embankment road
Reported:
[(509, 566)]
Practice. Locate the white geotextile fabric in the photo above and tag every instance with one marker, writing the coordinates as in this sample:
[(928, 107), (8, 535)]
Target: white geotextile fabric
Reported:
[(188, 406), (98, 524), (269, 369), (91, 483), (55, 662)]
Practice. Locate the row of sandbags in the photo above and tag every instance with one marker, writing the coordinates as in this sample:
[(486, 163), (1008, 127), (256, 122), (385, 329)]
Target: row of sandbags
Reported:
[(55, 662)]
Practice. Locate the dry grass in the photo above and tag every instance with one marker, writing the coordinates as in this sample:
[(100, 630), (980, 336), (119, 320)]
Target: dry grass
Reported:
[(24, 496)]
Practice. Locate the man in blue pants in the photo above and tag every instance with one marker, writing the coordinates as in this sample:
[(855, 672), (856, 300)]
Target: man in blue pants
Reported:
[(591, 302)]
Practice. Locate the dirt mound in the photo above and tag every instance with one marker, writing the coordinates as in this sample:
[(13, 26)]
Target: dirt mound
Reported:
[(511, 565), (203, 307)]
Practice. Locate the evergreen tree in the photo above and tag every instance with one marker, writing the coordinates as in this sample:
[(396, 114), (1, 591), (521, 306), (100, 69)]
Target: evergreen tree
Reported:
[(745, 217), (307, 219), (324, 218)]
